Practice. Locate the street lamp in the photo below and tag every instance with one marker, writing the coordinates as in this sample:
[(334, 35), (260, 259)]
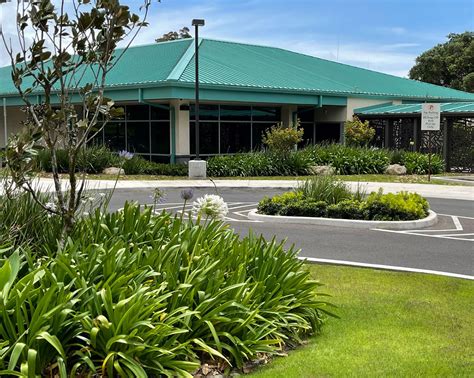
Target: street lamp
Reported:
[(196, 23), (197, 168)]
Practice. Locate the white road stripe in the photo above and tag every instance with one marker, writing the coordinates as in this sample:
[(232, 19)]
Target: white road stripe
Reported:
[(386, 267), (459, 216), (457, 223), (451, 236)]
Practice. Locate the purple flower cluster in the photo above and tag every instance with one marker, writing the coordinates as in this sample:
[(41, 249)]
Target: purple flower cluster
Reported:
[(125, 155)]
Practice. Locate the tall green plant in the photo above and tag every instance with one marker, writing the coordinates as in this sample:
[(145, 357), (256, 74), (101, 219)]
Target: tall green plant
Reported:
[(65, 54)]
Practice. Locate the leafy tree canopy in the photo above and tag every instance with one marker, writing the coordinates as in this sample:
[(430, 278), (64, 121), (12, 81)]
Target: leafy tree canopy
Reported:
[(174, 35), (450, 64)]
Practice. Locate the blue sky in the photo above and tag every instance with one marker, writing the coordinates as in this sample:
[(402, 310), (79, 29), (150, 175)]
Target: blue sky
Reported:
[(383, 35)]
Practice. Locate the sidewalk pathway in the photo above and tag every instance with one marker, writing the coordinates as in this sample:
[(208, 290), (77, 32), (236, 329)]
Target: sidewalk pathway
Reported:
[(426, 190)]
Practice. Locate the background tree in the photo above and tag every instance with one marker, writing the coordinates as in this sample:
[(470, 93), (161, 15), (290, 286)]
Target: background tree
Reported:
[(64, 60), (174, 35), (450, 64)]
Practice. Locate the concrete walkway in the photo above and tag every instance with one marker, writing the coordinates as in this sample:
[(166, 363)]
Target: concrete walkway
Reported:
[(426, 190)]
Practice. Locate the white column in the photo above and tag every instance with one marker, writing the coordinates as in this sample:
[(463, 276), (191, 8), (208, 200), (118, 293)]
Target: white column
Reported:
[(287, 114), (182, 129)]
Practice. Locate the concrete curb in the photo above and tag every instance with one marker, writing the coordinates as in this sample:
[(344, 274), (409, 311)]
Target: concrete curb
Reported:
[(430, 220)]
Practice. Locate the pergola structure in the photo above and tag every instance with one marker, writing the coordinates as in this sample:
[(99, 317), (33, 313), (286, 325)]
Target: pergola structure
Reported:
[(399, 127)]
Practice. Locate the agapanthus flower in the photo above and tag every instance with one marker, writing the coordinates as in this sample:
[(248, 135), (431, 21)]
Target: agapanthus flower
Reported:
[(210, 206), (125, 155), (187, 194)]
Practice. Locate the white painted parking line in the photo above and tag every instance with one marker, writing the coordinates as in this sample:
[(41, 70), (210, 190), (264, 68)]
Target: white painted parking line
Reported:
[(386, 267), (454, 233), (456, 222)]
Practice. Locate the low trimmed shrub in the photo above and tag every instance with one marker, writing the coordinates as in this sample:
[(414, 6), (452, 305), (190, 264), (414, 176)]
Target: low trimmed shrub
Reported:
[(346, 209), (324, 196), (305, 208), (397, 207)]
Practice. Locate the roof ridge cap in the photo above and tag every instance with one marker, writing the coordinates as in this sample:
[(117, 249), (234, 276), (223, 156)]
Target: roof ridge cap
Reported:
[(183, 62)]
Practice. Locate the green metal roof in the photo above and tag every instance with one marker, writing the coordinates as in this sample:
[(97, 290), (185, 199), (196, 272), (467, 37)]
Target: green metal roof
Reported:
[(239, 66), (450, 108)]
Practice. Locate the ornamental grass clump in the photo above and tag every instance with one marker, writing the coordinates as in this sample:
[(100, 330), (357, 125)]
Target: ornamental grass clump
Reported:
[(135, 294)]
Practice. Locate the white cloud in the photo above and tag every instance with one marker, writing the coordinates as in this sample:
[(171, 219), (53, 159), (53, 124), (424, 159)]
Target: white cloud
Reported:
[(246, 25)]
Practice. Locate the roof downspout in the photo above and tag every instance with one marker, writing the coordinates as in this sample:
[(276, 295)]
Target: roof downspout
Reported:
[(173, 135), (5, 129)]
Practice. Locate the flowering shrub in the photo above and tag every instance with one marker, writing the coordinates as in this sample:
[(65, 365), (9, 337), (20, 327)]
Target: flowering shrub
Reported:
[(358, 133), (210, 206), (283, 139)]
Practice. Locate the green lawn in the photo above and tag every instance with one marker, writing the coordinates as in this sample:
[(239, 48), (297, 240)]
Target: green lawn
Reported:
[(392, 324)]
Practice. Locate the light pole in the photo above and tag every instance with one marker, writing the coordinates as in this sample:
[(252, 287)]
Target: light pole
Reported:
[(196, 23), (197, 167)]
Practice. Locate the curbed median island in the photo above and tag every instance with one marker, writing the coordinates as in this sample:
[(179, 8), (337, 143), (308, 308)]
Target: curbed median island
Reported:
[(325, 200)]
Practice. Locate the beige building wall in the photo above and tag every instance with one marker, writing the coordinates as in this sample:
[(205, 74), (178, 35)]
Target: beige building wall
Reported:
[(182, 128), (14, 118), (354, 103), (331, 114)]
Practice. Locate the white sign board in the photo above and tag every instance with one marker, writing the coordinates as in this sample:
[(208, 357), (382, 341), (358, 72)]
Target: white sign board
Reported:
[(430, 117)]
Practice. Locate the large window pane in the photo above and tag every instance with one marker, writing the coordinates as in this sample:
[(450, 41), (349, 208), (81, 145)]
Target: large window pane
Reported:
[(305, 114), (96, 135), (138, 112), (264, 113), (235, 137), (328, 132), (208, 138), (308, 134), (258, 130), (235, 113), (206, 112), (160, 114), (160, 137), (138, 136), (114, 136)]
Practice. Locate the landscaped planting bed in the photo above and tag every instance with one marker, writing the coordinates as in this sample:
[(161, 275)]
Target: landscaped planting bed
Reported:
[(327, 197), (345, 160), (131, 293)]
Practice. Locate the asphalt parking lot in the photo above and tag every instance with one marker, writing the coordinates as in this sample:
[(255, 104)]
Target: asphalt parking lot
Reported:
[(446, 247)]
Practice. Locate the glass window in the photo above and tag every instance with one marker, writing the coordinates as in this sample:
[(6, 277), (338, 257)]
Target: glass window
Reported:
[(235, 113), (328, 132), (160, 137), (160, 114), (208, 138), (258, 130), (138, 137), (137, 112), (160, 159), (263, 113), (305, 114), (114, 136), (206, 112), (308, 134), (235, 137), (96, 135)]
